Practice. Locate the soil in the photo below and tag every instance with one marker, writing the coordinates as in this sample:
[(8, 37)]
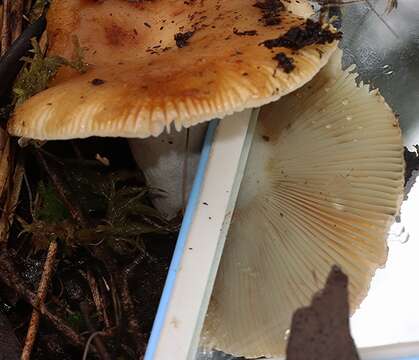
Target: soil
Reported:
[(182, 38), (284, 62), (271, 10), (299, 37), (144, 258)]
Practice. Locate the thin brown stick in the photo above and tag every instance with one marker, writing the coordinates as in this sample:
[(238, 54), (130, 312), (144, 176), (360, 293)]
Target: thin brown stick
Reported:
[(128, 305), (5, 164), (1, 22), (42, 293), (120, 284), (8, 214), (16, 14), (59, 324), (5, 29), (61, 190), (89, 341), (12, 21), (98, 300), (100, 346), (9, 276), (28, 6)]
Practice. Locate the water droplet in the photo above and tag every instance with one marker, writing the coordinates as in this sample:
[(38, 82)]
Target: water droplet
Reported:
[(287, 334), (345, 102), (328, 126), (398, 233), (349, 118)]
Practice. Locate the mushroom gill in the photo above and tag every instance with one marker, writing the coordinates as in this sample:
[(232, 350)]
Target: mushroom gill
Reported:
[(323, 182)]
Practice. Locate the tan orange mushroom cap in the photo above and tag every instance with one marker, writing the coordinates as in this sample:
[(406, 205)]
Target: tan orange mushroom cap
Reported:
[(157, 62)]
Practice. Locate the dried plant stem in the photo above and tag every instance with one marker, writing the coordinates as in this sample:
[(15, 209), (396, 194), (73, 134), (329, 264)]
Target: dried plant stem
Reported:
[(98, 300), (121, 286), (4, 163), (42, 293), (100, 346), (128, 306), (17, 19), (11, 203), (89, 341), (8, 276), (28, 5), (5, 30), (11, 26), (61, 190), (1, 22)]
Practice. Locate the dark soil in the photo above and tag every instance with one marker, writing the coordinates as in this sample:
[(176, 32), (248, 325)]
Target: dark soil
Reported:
[(299, 37), (141, 254), (284, 62)]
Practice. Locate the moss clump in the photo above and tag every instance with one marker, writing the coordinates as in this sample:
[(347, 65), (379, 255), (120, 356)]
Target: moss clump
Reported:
[(40, 69)]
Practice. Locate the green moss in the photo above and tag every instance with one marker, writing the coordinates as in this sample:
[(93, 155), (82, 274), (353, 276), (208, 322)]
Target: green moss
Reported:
[(38, 8), (51, 209), (40, 69)]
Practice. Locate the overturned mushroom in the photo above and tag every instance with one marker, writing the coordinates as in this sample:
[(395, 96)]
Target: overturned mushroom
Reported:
[(152, 64), (323, 182)]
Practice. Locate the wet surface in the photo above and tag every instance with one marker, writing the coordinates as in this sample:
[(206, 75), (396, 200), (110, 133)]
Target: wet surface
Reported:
[(386, 56)]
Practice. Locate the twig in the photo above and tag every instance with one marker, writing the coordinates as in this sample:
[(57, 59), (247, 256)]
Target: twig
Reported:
[(100, 346), (5, 163), (59, 324), (5, 30), (11, 26), (17, 19), (11, 203), (75, 211), (89, 341), (120, 284), (42, 292), (128, 305), (1, 21), (28, 6), (8, 275), (97, 298)]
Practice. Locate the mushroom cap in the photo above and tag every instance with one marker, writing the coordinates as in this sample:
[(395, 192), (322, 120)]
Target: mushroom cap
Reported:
[(323, 182), (154, 63)]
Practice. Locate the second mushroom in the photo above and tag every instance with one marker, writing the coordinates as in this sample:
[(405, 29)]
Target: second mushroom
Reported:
[(323, 182)]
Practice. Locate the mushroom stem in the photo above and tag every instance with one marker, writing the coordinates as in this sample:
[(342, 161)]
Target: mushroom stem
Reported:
[(169, 164)]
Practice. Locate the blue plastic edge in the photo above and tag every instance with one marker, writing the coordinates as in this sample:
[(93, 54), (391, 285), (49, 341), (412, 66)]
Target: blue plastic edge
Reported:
[(180, 244)]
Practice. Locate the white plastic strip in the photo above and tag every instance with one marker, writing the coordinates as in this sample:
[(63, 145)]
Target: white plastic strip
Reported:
[(405, 351), (188, 304), (402, 351)]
